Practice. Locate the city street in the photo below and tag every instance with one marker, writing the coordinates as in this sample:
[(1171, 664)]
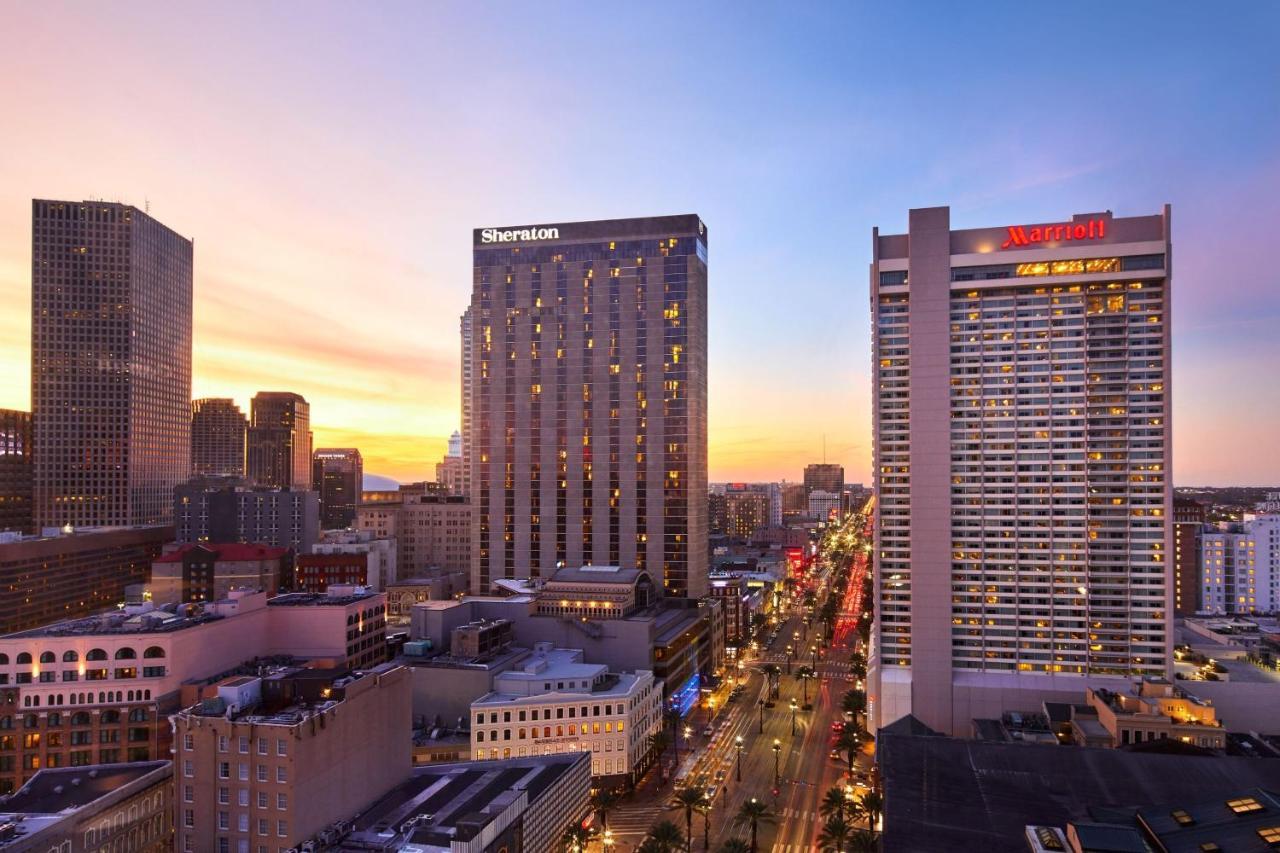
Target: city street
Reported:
[(805, 770)]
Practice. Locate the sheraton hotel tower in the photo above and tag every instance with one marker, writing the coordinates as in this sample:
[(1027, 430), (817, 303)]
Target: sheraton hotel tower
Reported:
[(585, 400)]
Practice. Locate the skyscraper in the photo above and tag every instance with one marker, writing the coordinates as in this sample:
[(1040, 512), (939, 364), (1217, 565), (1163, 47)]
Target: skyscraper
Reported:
[(465, 438), (15, 471), (338, 476), (1022, 462), (110, 364), (279, 440), (449, 470), (827, 476), (217, 438), (589, 399)]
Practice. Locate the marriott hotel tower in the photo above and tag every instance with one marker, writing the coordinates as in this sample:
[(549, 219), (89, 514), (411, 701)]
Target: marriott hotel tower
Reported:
[(1022, 463), (588, 400)]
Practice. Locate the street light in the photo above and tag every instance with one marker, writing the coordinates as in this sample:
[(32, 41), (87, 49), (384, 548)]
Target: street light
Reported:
[(788, 660), (777, 752), (737, 742), (607, 840), (761, 704), (813, 652), (793, 718)]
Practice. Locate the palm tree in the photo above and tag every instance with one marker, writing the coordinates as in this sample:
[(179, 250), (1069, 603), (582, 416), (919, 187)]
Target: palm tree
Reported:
[(854, 703), (690, 799), (735, 845), (805, 673), (850, 743), (863, 841), (575, 839), (872, 807), (705, 811), (835, 834), (754, 812), (772, 672), (834, 802), (603, 802), (664, 837)]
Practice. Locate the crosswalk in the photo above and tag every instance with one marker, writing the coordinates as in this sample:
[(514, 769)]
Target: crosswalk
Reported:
[(635, 819)]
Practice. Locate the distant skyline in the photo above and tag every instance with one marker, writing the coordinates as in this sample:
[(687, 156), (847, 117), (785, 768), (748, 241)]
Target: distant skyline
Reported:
[(330, 162)]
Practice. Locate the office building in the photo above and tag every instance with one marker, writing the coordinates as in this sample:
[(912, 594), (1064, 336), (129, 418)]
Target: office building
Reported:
[(744, 508), (102, 807), (110, 364), (338, 475), (824, 505), (218, 430), (449, 470), (476, 807), (432, 530), (68, 574), (100, 687), (210, 509), (824, 476), (466, 437), (554, 702), (589, 400), (266, 763), (1022, 460), (16, 470), (278, 449), (379, 555), (1241, 566), (203, 571), (1189, 518)]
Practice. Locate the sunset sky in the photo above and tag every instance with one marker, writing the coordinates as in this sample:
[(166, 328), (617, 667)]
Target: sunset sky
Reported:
[(330, 161)]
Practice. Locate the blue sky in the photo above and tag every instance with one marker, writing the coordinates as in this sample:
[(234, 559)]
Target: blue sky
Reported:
[(330, 161)]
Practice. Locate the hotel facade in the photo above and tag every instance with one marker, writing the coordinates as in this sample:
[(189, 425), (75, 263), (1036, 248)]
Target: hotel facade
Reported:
[(588, 400), (1022, 462)]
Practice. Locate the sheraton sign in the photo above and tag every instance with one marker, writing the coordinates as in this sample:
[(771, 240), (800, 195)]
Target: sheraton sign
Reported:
[(1021, 235), (496, 235)]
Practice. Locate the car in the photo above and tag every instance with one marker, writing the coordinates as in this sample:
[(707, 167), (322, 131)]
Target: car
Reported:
[(720, 775), (709, 730), (835, 753), (838, 725), (712, 791)]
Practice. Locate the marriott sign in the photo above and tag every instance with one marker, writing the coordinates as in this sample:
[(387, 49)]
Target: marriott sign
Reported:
[(1021, 235)]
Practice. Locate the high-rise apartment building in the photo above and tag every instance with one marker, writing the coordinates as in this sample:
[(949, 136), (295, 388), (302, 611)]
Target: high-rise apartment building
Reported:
[(1022, 460), (226, 510), (218, 430), (16, 467), (1189, 517), (1241, 566), (432, 531), (589, 399), (110, 364), (823, 476), (466, 437), (338, 475), (279, 440)]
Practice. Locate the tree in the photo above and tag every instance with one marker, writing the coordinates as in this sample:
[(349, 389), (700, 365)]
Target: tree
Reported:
[(834, 802), (863, 841), (664, 837), (805, 673), (854, 703), (690, 799), (575, 839), (850, 743), (754, 812), (835, 834), (772, 672), (705, 811), (603, 802), (872, 807), (735, 845)]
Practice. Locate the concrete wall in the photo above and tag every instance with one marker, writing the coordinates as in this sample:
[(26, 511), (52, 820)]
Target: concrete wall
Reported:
[(1241, 706)]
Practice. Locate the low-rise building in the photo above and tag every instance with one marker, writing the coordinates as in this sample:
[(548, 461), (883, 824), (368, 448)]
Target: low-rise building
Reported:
[(555, 702), (270, 763), (432, 529), (521, 804), (200, 571), (227, 509), (1152, 710), (381, 559), (101, 807), (96, 690), (404, 594), (595, 592), (67, 573)]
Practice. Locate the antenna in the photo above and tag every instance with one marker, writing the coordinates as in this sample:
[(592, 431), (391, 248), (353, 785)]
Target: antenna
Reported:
[(146, 204)]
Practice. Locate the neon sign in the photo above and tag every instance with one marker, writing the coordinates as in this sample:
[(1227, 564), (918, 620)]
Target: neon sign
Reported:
[(494, 235), (1020, 235)]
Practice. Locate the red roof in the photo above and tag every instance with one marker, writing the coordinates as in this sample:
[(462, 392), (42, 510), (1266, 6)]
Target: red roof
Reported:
[(229, 552)]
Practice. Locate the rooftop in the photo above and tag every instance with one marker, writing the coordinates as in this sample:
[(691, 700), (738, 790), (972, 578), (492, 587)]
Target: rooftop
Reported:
[(233, 551), (139, 619), (947, 794), (597, 574), (334, 596), (446, 802), (51, 796)]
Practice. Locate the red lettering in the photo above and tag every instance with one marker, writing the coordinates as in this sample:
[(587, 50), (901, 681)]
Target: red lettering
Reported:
[(1057, 232), (1102, 228), (1020, 235), (1017, 237), (1035, 236), (1079, 232)]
